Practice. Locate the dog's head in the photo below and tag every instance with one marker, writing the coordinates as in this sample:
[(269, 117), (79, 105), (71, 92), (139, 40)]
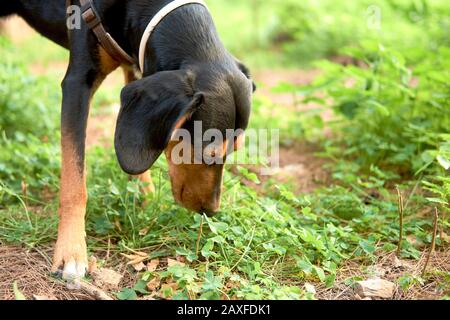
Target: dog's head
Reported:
[(156, 107)]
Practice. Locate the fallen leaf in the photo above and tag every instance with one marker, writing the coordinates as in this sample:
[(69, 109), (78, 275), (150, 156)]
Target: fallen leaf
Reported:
[(153, 284), (135, 255), (172, 262), (139, 266), (152, 265), (136, 259), (173, 285), (142, 254), (128, 256), (167, 290)]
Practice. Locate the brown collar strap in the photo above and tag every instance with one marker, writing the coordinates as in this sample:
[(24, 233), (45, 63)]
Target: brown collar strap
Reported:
[(93, 21)]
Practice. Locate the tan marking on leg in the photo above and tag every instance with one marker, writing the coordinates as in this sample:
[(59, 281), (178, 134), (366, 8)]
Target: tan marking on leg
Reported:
[(71, 243)]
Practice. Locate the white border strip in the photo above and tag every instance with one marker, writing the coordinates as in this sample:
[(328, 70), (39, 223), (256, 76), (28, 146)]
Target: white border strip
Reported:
[(156, 20)]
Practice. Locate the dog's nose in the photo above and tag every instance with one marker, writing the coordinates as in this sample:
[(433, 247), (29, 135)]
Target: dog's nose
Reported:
[(208, 211), (210, 208)]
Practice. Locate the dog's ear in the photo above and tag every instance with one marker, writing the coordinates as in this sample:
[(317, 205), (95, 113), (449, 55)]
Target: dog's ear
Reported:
[(246, 71), (151, 109)]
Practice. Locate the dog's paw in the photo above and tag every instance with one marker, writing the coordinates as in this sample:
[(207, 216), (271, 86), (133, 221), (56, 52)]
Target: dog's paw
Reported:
[(70, 258)]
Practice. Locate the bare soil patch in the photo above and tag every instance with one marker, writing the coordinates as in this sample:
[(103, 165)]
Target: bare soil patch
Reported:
[(30, 269), (299, 168), (31, 273), (300, 165)]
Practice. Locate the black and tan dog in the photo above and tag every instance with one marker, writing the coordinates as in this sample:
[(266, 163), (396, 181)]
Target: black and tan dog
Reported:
[(188, 76)]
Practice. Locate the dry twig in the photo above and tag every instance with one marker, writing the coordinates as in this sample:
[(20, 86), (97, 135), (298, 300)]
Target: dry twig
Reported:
[(433, 240), (199, 237), (92, 290), (400, 211)]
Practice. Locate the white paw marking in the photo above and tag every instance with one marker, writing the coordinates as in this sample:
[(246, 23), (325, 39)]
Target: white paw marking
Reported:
[(74, 271)]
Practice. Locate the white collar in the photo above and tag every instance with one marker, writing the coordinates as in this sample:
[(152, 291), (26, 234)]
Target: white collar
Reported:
[(156, 20)]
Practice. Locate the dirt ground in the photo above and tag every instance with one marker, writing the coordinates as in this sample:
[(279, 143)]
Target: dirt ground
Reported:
[(31, 273), (30, 269)]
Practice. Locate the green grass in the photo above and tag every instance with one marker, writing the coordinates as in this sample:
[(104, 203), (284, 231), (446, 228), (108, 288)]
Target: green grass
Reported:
[(266, 243)]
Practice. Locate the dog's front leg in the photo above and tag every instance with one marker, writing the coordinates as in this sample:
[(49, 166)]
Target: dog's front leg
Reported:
[(82, 78), (70, 250)]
